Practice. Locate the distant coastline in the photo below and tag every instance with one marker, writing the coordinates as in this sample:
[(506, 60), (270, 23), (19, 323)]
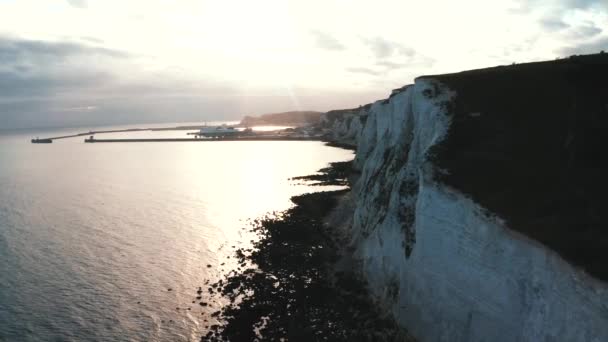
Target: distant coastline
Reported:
[(293, 118)]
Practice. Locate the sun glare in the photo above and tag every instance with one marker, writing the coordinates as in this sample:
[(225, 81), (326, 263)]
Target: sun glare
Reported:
[(250, 30)]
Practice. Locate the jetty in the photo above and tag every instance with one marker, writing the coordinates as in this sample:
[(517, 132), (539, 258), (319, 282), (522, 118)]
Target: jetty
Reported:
[(235, 138), (50, 139), (220, 133), (42, 141)]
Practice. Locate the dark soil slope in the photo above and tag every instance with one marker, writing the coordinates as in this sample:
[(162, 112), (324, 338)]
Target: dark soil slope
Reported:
[(529, 142)]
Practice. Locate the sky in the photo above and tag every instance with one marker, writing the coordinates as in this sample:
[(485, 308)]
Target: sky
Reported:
[(99, 62)]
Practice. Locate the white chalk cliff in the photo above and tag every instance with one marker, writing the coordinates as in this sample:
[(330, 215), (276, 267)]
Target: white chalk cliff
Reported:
[(447, 268)]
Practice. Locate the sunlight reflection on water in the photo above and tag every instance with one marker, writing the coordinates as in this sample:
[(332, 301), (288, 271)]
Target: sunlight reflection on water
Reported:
[(92, 236)]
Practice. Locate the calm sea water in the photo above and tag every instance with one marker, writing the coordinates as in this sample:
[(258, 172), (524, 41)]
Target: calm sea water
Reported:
[(92, 236)]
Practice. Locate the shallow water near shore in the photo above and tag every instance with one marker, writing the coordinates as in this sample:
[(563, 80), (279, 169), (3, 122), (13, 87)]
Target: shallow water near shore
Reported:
[(92, 237)]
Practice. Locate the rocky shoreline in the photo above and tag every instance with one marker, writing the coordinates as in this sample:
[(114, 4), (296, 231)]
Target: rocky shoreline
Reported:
[(288, 286)]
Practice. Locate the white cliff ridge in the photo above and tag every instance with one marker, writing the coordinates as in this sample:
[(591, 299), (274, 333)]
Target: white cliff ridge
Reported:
[(448, 269)]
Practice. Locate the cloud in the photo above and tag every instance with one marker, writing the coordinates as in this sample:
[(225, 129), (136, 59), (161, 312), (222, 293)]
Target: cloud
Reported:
[(80, 109), (595, 46), (526, 6), (19, 50), (326, 41), (380, 47), (391, 65), (389, 55), (383, 48), (16, 85), (366, 71), (584, 31), (553, 24), (32, 68), (405, 62), (92, 40), (392, 55), (78, 3), (45, 83), (586, 3)]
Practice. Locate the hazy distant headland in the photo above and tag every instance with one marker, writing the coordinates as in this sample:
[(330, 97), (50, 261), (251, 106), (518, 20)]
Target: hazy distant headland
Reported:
[(294, 118)]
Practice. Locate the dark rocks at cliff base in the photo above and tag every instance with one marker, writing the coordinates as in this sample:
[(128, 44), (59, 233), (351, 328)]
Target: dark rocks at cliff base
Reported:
[(336, 174), (289, 291), (343, 145)]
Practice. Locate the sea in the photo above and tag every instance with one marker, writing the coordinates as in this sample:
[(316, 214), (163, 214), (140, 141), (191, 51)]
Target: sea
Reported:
[(110, 241)]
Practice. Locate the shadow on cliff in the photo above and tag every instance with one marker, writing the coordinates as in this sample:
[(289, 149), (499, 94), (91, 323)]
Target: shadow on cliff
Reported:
[(528, 142)]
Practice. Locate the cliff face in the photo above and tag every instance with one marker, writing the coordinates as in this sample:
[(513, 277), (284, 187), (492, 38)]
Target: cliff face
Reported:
[(345, 125), (453, 169)]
